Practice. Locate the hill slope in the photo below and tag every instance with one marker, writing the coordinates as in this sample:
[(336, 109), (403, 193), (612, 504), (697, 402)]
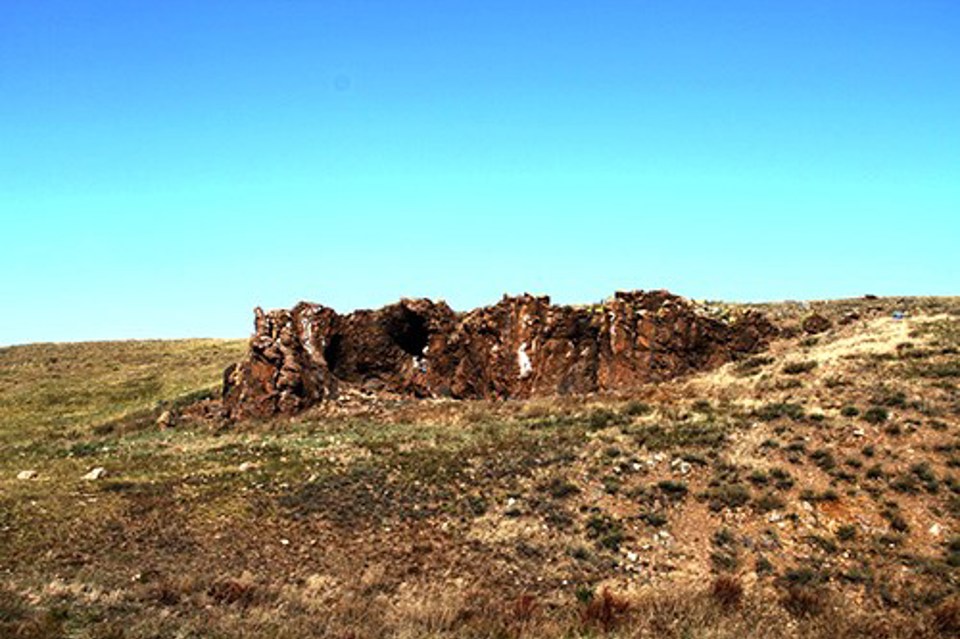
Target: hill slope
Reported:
[(812, 490)]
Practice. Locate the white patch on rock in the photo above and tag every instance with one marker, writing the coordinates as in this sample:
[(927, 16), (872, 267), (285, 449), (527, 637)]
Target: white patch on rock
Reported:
[(97, 473), (523, 360), (27, 474), (307, 328)]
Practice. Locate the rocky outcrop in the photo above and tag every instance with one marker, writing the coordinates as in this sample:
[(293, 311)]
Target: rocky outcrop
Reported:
[(520, 347)]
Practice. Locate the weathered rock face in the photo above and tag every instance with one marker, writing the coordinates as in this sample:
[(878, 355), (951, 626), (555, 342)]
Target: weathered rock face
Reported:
[(520, 347)]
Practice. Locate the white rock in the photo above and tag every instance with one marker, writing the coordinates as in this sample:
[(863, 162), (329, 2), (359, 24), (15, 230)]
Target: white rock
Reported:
[(523, 361), (858, 432), (97, 473), (27, 474), (247, 466), (807, 506), (166, 419), (935, 530)]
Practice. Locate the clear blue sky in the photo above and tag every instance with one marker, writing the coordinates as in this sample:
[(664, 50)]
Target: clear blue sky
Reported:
[(166, 166)]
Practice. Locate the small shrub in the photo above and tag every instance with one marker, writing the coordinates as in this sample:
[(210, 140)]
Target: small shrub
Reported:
[(770, 412), (762, 566), (606, 531), (584, 594), (752, 365), (923, 472), (232, 591), (724, 560), (611, 484), (477, 505), (600, 418), (796, 368), (674, 489), (682, 435), (560, 488), (804, 601), (825, 544), (891, 399), (876, 415), (605, 611), (847, 532), (723, 538), (823, 458), (945, 618), (941, 371), (905, 484), (656, 520), (727, 496), (727, 591), (798, 446), (702, 406), (875, 472), (635, 408), (849, 411), (782, 479), (898, 523), (768, 502)]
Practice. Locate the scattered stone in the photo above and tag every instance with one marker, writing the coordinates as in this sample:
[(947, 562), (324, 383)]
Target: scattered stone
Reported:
[(27, 474), (681, 466), (935, 530), (97, 473), (858, 432), (247, 466)]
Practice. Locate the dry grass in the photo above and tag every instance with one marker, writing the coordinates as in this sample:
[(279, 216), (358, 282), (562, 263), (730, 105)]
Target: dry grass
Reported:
[(744, 502)]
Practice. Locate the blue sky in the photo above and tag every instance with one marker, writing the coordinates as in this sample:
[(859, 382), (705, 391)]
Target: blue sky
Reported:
[(166, 166)]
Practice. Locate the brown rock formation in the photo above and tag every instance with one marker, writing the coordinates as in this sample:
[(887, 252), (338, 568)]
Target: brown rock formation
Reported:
[(815, 323), (520, 347)]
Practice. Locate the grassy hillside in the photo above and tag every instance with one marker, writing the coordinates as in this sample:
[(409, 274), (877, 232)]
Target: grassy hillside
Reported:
[(811, 491), (63, 391)]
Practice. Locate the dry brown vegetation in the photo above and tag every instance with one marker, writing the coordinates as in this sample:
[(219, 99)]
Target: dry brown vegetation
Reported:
[(810, 491)]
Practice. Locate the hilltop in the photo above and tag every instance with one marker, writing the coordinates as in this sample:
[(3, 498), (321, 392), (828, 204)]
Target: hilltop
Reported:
[(810, 488)]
